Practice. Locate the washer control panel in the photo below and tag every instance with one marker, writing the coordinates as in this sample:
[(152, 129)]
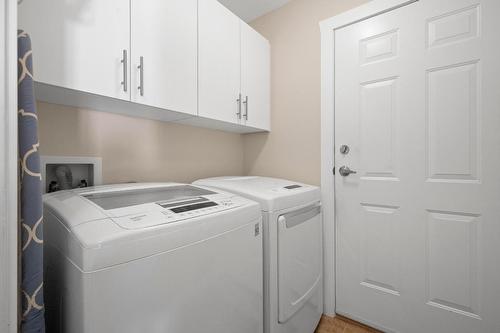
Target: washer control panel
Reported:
[(198, 208), (188, 208), (171, 212)]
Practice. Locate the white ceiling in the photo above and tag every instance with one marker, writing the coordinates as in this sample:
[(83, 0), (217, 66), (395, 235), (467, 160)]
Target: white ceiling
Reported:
[(249, 10)]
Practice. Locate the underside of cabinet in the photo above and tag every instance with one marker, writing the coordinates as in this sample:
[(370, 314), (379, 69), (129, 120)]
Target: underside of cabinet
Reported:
[(62, 96)]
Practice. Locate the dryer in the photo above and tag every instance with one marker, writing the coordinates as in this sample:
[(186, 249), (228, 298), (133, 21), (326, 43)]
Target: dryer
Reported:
[(293, 252), (152, 258)]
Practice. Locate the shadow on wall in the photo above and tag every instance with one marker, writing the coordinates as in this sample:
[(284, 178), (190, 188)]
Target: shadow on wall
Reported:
[(134, 149), (253, 145)]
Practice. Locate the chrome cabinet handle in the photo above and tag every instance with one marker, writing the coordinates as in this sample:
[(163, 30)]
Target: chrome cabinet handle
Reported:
[(141, 76), (246, 108), (345, 171), (124, 62), (239, 107)]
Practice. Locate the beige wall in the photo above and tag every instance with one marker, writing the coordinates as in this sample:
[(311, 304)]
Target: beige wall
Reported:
[(292, 149), (137, 149)]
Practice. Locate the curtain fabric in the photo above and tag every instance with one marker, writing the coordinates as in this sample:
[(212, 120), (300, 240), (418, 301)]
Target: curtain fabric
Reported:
[(31, 215)]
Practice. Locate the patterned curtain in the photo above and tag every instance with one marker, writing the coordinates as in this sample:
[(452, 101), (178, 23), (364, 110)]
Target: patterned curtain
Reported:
[(30, 194)]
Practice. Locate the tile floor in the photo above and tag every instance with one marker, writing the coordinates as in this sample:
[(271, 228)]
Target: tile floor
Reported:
[(342, 325)]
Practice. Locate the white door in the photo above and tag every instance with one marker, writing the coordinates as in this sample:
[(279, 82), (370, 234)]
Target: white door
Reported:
[(418, 225), (80, 45), (255, 78), (165, 37), (219, 62)]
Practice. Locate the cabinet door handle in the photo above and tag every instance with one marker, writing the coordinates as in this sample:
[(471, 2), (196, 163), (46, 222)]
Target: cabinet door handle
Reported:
[(239, 107), (124, 62), (246, 108), (141, 76)]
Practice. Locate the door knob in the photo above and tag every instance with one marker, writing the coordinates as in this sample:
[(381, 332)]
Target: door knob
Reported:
[(345, 171)]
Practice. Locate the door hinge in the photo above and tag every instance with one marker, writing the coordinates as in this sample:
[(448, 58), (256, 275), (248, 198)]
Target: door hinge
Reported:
[(333, 171)]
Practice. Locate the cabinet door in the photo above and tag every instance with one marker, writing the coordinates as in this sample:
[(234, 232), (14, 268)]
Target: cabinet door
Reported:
[(219, 62), (255, 78), (164, 34), (80, 44)]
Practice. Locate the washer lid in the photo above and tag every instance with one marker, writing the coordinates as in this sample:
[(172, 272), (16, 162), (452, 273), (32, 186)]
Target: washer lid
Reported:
[(78, 206), (111, 200), (273, 194)]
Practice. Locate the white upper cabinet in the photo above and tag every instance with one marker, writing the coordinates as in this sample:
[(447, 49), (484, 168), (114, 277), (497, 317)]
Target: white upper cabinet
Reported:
[(80, 45), (164, 35), (234, 69), (190, 61), (219, 62), (255, 78)]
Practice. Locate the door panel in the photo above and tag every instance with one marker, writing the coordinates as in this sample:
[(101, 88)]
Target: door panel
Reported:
[(452, 111), (379, 264), (87, 40), (164, 33), (255, 78), (219, 62), (378, 155), (416, 100), (453, 284)]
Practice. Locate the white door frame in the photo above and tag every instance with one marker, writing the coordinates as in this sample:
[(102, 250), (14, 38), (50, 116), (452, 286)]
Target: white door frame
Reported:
[(8, 168), (328, 27)]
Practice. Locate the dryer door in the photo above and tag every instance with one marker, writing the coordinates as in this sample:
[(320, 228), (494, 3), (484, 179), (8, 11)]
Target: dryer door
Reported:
[(299, 259)]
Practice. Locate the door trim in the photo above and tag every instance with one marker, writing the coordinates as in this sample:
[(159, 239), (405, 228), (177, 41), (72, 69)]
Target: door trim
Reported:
[(328, 27), (8, 170)]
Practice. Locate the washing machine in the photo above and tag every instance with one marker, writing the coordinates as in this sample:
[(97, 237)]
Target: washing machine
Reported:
[(293, 252), (152, 258)]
